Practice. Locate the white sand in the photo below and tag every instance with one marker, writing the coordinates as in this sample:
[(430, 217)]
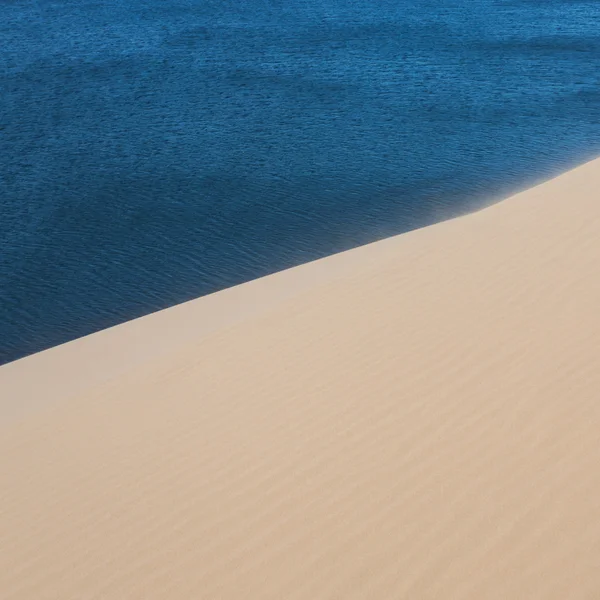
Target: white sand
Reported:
[(418, 418)]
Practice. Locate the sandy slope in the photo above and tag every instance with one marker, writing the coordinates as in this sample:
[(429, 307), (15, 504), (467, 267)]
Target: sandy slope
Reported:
[(418, 418)]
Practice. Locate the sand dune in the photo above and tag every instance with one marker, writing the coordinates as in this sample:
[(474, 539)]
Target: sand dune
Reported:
[(418, 418)]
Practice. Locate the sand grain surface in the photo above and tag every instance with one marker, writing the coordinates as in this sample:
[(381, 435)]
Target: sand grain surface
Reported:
[(418, 418)]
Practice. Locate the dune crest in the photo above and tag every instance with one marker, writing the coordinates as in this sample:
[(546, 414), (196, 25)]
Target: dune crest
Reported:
[(417, 418)]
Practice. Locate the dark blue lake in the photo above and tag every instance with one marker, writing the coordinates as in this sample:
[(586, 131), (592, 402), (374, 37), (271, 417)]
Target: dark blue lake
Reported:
[(155, 151)]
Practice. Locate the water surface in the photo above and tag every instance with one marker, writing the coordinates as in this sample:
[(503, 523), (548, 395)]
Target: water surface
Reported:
[(155, 151)]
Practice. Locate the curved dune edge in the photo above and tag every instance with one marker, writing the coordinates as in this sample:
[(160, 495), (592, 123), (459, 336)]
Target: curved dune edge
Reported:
[(417, 418)]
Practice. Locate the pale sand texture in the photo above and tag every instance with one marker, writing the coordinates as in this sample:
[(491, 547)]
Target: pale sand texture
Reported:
[(418, 418)]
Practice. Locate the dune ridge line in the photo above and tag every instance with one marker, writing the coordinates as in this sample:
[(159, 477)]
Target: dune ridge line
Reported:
[(416, 418)]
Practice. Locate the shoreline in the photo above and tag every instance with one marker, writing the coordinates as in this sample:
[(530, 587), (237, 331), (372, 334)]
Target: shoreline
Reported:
[(416, 417), (132, 343)]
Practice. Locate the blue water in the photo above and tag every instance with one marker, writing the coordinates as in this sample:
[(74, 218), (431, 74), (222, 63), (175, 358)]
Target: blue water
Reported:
[(152, 151)]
